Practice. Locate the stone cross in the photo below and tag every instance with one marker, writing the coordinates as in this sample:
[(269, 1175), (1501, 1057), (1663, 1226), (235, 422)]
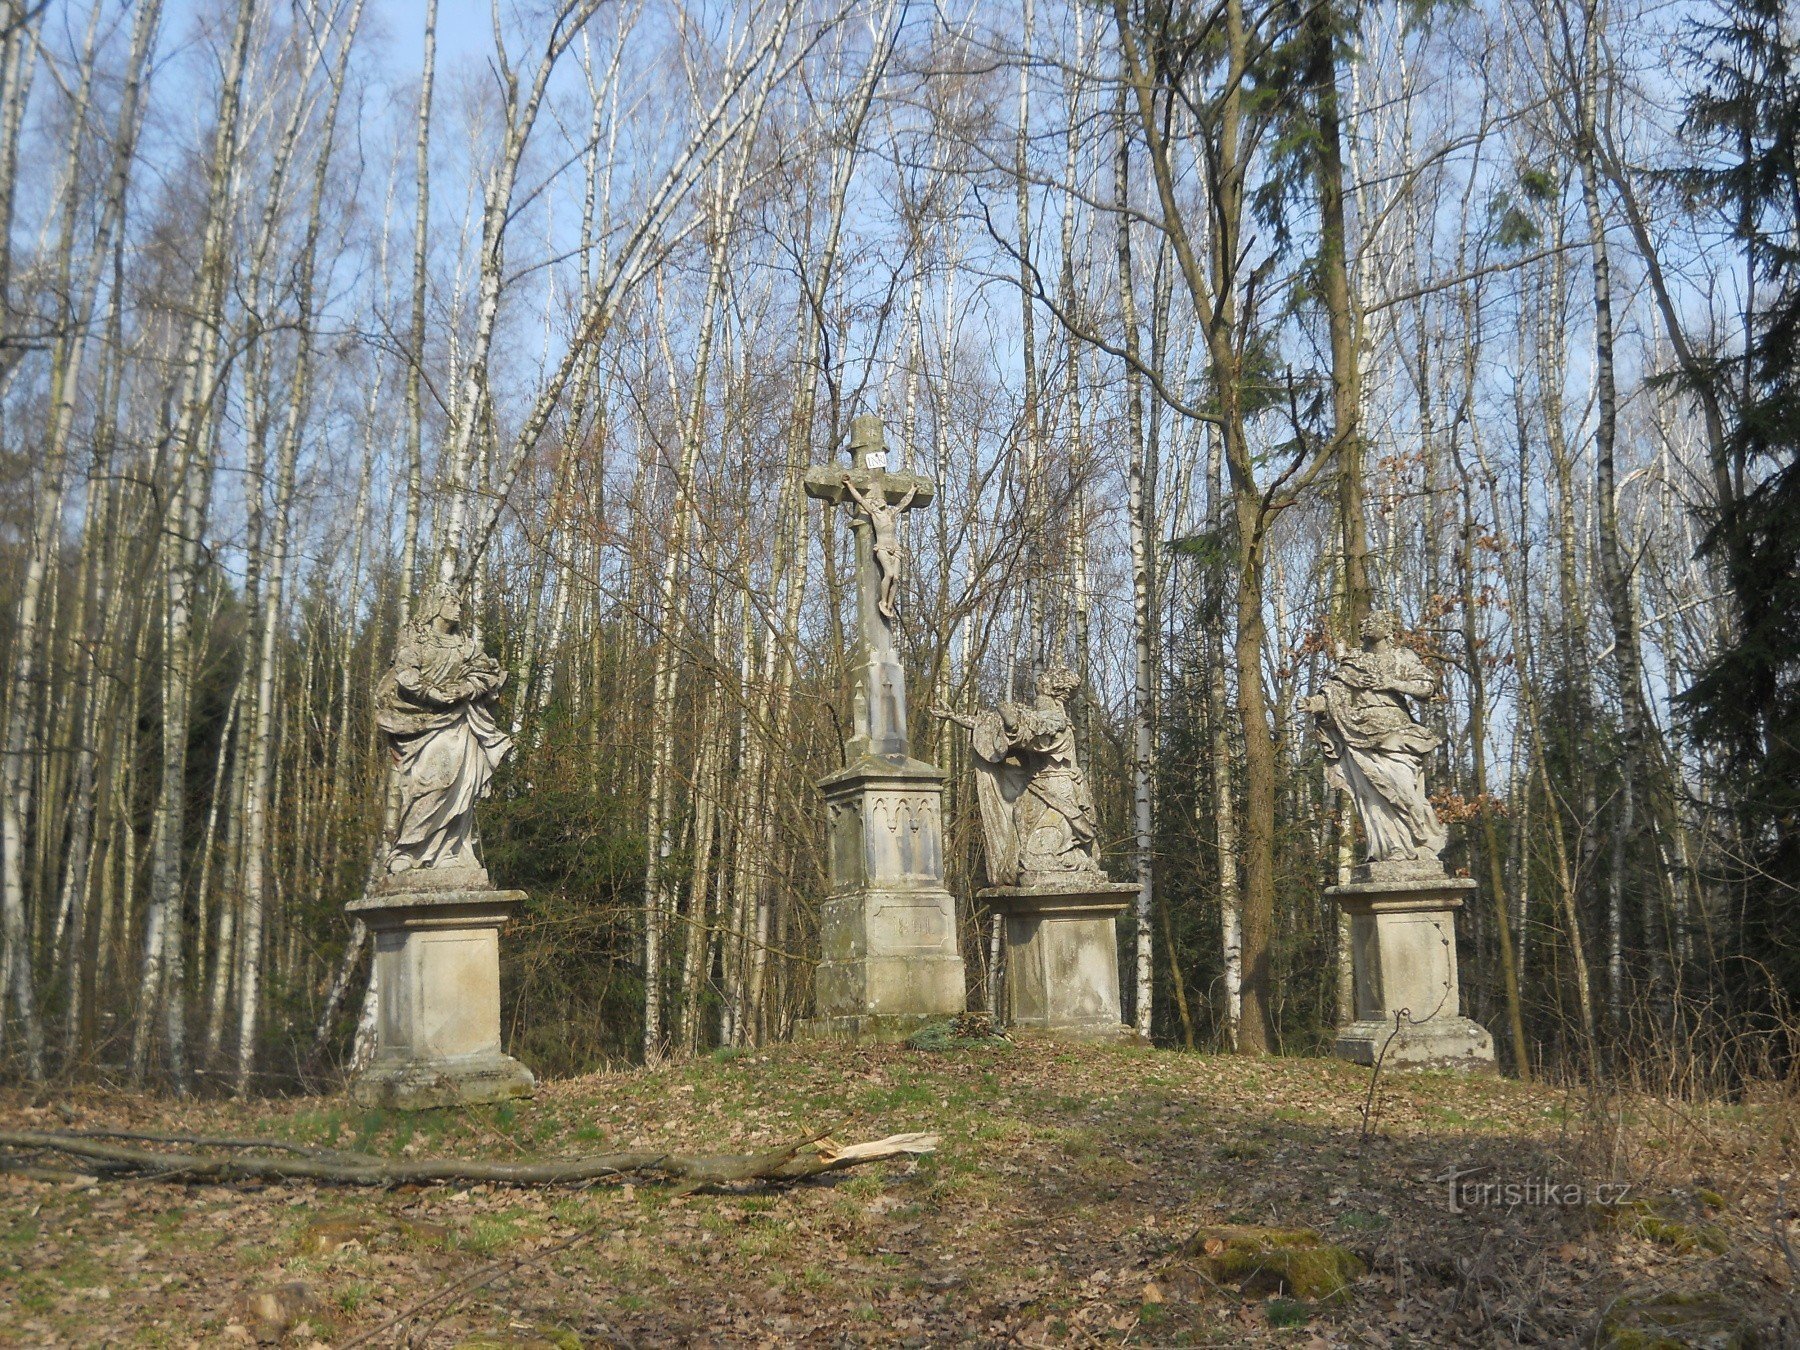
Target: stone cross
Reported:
[(880, 713)]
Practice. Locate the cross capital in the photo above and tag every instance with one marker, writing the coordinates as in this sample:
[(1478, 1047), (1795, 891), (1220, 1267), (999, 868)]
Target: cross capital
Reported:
[(869, 472)]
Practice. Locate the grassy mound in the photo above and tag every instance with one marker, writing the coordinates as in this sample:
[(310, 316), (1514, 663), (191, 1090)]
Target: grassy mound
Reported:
[(1083, 1194), (1666, 1221)]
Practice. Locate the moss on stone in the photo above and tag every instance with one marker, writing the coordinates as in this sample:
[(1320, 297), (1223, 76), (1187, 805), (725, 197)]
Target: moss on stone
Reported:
[(1673, 1319), (1292, 1261), (1659, 1221)]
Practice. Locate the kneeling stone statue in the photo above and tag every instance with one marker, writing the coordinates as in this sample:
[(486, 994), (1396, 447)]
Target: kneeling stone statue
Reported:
[(1037, 815), (1042, 843)]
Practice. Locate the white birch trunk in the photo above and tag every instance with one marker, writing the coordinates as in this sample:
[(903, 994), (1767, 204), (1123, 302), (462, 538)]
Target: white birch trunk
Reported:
[(262, 749), (16, 975)]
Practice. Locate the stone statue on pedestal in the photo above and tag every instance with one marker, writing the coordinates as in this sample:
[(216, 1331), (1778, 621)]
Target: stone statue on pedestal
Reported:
[(1401, 902), (1374, 748), (1037, 815), (436, 706), (1042, 836), (435, 918)]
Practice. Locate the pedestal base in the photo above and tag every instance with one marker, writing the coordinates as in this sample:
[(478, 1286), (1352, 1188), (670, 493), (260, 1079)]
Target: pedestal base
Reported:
[(1442, 1043), (437, 972), (1403, 953), (889, 958), (457, 1080), (890, 961), (1062, 956)]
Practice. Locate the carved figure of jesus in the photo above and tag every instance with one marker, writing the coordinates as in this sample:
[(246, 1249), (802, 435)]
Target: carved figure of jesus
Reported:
[(884, 526)]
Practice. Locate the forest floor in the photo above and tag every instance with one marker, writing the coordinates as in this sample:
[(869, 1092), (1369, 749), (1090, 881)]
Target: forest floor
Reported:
[(1078, 1195)]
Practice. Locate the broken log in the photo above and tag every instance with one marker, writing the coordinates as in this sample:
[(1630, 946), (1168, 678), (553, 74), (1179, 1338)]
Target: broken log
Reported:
[(803, 1158)]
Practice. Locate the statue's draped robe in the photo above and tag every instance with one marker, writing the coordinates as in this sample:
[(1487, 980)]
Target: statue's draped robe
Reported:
[(436, 707), (1037, 814), (1376, 751)]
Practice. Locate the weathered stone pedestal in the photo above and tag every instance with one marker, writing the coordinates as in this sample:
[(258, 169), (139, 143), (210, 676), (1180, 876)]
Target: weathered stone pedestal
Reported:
[(1062, 956), (437, 971), (1403, 950), (889, 958)]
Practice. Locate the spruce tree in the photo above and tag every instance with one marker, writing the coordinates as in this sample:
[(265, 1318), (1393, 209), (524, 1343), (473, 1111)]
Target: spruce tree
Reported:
[(1745, 702)]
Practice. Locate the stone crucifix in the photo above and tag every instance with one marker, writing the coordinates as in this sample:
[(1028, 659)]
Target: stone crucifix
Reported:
[(877, 499)]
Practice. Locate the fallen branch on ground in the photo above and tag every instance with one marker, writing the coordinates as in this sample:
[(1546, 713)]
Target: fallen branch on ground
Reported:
[(225, 1141), (803, 1158)]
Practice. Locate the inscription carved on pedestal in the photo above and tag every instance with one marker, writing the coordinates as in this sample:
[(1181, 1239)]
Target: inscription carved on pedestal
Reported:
[(901, 925)]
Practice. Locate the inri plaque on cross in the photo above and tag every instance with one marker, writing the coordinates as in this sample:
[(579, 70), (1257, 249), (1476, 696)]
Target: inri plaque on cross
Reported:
[(877, 499)]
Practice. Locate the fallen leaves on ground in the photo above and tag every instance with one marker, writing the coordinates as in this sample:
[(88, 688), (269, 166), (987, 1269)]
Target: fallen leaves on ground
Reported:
[(1080, 1193)]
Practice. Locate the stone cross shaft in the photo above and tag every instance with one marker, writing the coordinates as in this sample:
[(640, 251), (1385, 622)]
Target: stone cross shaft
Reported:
[(880, 713)]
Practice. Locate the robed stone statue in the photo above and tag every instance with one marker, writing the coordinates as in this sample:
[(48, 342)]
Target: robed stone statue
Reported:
[(1375, 749), (437, 706), (1037, 815), (434, 992)]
